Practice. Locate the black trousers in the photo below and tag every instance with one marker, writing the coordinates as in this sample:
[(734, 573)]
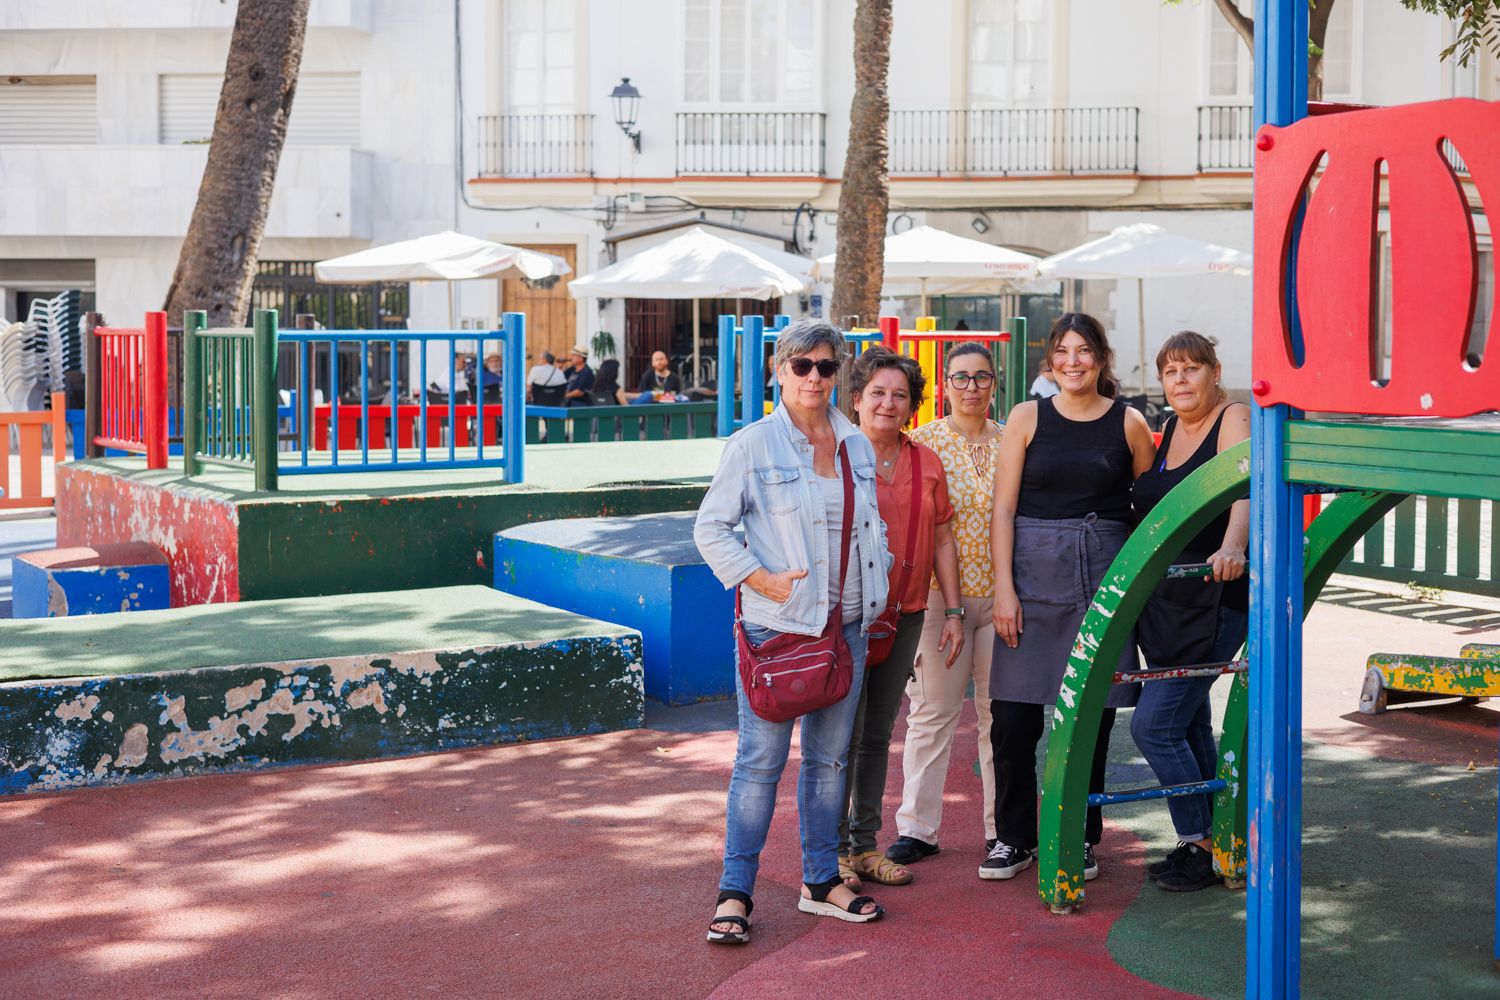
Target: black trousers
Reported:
[(1015, 731)]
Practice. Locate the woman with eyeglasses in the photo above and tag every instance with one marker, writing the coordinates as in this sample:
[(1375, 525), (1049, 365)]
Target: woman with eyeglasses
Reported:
[(782, 479), (1062, 514), (912, 490), (967, 442)]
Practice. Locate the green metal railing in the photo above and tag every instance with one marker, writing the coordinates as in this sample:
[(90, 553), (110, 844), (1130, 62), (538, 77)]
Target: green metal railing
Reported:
[(229, 394), (1437, 542)]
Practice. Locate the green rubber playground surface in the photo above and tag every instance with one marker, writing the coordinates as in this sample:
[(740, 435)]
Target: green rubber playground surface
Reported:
[(549, 468), (279, 631)]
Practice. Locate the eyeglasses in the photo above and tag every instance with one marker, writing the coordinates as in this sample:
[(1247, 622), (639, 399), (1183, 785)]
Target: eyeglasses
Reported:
[(801, 367), (981, 380)]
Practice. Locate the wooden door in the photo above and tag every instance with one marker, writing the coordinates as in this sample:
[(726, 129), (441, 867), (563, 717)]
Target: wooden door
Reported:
[(551, 313), (648, 328)]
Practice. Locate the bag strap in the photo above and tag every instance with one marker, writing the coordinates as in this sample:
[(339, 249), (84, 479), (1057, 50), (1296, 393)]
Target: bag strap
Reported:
[(911, 523), (847, 529)]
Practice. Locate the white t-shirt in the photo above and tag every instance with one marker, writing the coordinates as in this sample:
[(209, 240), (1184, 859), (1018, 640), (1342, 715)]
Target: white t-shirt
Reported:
[(545, 375), (1044, 387)]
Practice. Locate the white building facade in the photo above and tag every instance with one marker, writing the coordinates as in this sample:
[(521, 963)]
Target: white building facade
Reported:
[(1028, 123)]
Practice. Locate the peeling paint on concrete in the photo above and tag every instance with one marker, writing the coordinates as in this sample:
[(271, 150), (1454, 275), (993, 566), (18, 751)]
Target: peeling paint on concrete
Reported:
[(133, 747), (81, 707), (105, 730), (237, 698)]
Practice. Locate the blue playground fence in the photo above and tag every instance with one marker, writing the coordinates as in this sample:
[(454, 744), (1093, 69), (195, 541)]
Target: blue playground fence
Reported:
[(751, 360), (398, 430)]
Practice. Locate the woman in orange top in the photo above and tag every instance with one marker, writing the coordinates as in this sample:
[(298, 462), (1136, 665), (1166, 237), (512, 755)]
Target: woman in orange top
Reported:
[(887, 389)]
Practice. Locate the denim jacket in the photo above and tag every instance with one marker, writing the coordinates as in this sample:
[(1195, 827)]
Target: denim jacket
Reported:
[(765, 483)]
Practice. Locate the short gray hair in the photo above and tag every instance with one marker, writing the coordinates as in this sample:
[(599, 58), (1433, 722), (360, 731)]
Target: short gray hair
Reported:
[(806, 335)]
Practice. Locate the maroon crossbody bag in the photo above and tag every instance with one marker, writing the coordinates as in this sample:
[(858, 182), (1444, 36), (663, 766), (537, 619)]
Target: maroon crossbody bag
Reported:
[(790, 675)]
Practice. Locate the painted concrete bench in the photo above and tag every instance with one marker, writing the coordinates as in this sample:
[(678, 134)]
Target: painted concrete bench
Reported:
[(106, 699), (643, 572), (90, 580)]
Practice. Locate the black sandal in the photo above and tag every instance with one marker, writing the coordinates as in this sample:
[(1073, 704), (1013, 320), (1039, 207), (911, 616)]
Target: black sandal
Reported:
[(741, 936), (819, 905)]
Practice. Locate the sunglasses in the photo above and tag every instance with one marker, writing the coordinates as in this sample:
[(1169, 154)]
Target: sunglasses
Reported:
[(827, 368), (981, 380)]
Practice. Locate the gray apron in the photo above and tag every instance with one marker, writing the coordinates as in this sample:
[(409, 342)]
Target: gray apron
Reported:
[(1057, 567)]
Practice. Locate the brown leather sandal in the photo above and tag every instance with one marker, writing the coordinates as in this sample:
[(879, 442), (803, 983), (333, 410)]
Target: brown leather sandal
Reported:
[(848, 875), (880, 869)]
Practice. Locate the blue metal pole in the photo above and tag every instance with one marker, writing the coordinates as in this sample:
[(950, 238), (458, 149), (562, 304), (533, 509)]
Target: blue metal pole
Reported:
[(1273, 908), (513, 397), (727, 334), (753, 389)]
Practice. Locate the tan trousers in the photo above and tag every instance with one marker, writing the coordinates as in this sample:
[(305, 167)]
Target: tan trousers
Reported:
[(937, 696)]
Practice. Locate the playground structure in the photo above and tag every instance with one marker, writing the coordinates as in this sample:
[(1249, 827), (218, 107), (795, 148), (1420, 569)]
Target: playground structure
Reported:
[(1392, 678), (742, 346), (1316, 348)]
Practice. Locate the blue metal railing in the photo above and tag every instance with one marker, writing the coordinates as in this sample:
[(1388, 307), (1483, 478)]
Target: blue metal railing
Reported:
[(391, 432)]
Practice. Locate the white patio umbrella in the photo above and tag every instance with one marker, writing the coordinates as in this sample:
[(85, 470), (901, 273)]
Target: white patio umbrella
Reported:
[(943, 263), (1144, 251), (697, 265), (445, 256)]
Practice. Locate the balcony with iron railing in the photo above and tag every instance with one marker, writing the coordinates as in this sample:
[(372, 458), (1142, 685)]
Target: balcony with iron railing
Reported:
[(751, 143), (536, 145), (1011, 141), (1226, 135)]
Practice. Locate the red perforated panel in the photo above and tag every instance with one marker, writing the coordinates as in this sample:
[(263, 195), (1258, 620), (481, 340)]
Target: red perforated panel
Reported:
[(1433, 260)]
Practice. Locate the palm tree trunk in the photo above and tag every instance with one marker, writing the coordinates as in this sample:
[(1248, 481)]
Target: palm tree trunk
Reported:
[(865, 195), (216, 267)]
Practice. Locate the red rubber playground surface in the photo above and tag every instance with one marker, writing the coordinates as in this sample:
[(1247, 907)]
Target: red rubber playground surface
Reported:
[(571, 868)]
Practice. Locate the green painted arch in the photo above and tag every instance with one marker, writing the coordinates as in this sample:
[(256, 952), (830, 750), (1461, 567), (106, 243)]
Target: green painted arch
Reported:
[(1112, 614)]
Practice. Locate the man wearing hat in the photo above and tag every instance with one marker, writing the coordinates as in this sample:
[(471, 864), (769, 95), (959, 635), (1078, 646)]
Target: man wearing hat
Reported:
[(580, 378)]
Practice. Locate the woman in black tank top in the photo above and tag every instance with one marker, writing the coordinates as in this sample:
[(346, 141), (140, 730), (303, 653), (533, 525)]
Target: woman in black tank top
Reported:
[(1188, 622), (1061, 514)]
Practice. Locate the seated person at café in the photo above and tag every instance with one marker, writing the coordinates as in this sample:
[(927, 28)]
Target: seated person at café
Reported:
[(489, 379), (546, 383), (580, 378), (659, 384)]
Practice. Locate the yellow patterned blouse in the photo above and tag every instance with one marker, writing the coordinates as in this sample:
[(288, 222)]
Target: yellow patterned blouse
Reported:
[(971, 490)]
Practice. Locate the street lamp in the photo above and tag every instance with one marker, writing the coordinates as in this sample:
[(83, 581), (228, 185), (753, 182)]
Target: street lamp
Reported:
[(627, 102)]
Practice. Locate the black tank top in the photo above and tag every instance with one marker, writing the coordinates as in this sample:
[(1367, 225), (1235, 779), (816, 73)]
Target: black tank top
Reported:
[(1156, 482), (1077, 467)]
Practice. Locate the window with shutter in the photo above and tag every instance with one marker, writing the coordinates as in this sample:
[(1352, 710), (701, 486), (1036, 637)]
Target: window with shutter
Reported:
[(45, 111), (325, 111)]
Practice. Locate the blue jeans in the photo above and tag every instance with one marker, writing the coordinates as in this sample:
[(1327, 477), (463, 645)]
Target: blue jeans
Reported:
[(1173, 726), (758, 763)]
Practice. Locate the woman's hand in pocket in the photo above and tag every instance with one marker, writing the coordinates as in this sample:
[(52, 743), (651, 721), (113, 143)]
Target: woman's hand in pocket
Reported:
[(774, 587)]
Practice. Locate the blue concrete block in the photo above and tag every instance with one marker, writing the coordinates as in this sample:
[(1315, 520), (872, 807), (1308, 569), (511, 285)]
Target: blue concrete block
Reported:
[(641, 572), (90, 580)]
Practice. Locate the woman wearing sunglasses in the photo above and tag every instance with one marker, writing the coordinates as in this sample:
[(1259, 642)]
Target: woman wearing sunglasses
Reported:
[(912, 490), (1062, 514), (967, 441), (782, 479)]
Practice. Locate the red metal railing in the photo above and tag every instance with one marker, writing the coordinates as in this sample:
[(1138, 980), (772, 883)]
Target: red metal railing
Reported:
[(126, 397)]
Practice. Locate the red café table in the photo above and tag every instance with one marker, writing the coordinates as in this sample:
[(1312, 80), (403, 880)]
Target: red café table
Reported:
[(407, 416)]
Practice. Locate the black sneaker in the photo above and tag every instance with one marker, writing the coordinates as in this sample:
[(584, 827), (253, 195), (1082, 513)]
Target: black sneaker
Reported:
[(1005, 861), (909, 850), (989, 844), (1172, 860), (1090, 863), (1194, 871)]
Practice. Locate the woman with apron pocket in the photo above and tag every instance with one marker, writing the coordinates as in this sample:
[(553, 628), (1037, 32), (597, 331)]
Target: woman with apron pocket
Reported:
[(1062, 513)]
